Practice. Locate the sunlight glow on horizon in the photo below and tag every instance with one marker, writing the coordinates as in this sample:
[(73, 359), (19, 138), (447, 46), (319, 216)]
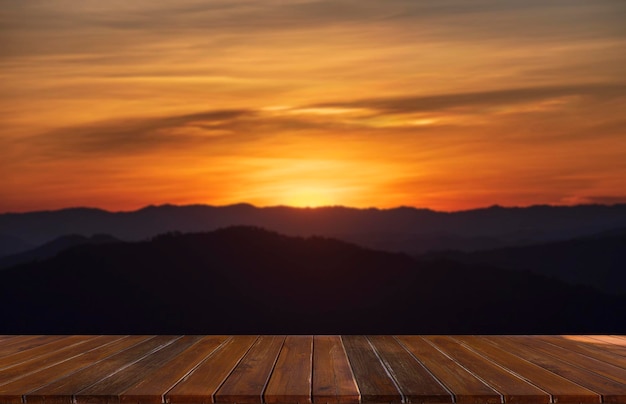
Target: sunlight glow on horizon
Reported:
[(311, 103)]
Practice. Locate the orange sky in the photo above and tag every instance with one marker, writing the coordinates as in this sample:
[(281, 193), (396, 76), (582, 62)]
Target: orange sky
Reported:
[(442, 104)]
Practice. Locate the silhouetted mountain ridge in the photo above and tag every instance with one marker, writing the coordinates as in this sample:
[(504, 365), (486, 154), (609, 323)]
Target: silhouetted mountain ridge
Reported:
[(598, 260), (53, 248), (401, 229), (250, 280)]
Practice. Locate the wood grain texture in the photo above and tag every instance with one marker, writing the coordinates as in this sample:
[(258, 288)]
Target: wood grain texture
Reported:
[(290, 382), (561, 389), (466, 387), (11, 393), (607, 342), (152, 388), (109, 389), (51, 358), (333, 382), (373, 379), (61, 391), (40, 351), (512, 388), (6, 338), (587, 349), (247, 382), (312, 369), (416, 383), (574, 358), (611, 391), (202, 384), (25, 342)]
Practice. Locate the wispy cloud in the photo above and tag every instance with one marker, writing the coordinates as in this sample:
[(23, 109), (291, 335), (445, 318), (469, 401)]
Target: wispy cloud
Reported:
[(246, 126), (479, 100)]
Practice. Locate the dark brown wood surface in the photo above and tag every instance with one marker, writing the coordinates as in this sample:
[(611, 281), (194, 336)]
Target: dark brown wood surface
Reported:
[(11, 393), (416, 383), (109, 389), (62, 391), (152, 388), (290, 382), (609, 343), (38, 353), (312, 369), (513, 388), (375, 383), (611, 391), (58, 353), (574, 358), (333, 382), (24, 342), (202, 384), (247, 382), (587, 349), (466, 387), (561, 389)]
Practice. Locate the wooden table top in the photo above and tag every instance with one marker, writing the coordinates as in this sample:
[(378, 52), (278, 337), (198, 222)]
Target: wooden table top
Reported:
[(312, 369)]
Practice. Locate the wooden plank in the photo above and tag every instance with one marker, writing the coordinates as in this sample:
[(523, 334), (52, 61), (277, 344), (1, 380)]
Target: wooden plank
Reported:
[(62, 390), (43, 362), (36, 355), (248, 380), (11, 393), (602, 368), (152, 389), (333, 381), (23, 343), (290, 382), (612, 339), (561, 389), (416, 383), (607, 342), (6, 338), (586, 348), (109, 389), (512, 388), (202, 384), (611, 391), (466, 387), (372, 378)]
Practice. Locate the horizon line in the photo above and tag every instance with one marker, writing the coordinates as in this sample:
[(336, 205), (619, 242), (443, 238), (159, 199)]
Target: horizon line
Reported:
[(308, 208)]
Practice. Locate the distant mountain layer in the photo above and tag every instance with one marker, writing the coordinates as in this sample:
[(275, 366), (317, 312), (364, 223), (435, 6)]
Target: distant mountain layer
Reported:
[(52, 248), (248, 280), (402, 229), (594, 261), (12, 245)]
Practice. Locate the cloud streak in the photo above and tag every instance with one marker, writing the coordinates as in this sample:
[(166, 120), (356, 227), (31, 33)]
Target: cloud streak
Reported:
[(247, 126)]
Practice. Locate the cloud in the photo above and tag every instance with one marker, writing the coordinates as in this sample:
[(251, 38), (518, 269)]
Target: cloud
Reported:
[(356, 118), (62, 26), (476, 100), (136, 135)]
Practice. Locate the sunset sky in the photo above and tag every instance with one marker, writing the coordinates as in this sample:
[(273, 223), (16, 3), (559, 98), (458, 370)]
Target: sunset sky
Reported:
[(447, 104)]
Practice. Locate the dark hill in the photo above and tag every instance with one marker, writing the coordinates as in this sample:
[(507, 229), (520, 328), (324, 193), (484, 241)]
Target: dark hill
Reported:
[(401, 229), (52, 248), (598, 261), (248, 280), (12, 245)]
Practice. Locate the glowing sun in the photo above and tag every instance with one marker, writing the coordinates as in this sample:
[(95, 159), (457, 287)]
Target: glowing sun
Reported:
[(310, 197)]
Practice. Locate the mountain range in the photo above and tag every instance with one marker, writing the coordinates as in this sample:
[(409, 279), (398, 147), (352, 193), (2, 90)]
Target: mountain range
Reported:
[(598, 261), (250, 280), (403, 229)]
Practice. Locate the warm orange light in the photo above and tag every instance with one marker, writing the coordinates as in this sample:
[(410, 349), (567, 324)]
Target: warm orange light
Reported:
[(309, 197)]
